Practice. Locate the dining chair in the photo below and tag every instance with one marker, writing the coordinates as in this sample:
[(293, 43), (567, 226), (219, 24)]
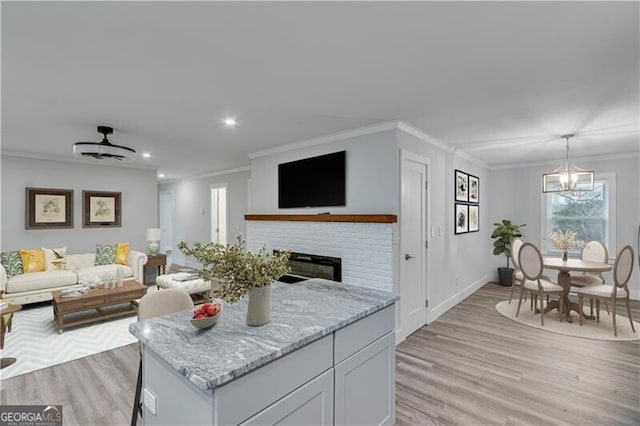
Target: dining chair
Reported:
[(531, 265), (619, 290), (518, 278), (593, 251), (155, 304)]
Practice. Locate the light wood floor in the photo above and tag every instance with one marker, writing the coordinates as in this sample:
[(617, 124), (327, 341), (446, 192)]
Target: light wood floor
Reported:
[(470, 367)]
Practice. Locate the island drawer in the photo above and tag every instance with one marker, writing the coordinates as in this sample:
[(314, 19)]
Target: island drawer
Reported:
[(352, 338)]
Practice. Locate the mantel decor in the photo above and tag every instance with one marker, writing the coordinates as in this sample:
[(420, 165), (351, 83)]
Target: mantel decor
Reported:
[(48, 208), (101, 209)]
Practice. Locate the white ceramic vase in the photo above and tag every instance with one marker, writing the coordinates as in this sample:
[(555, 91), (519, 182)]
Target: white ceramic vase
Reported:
[(259, 307)]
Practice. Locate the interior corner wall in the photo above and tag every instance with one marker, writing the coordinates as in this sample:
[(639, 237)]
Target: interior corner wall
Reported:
[(139, 203), (458, 263), (517, 195), (192, 209), (371, 175)]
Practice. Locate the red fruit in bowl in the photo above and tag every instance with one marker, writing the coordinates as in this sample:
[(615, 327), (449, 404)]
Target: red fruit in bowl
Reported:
[(213, 310)]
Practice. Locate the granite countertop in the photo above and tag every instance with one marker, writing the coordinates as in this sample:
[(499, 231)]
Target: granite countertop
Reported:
[(300, 313)]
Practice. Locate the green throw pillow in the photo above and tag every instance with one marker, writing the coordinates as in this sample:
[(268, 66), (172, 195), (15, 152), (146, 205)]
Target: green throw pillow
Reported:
[(105, 254), (12, 263)]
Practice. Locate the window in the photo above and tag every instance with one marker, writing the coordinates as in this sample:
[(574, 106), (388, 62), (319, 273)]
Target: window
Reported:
[(590, 214)]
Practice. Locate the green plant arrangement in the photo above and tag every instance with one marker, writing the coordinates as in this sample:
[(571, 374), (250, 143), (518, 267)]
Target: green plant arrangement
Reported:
[(505, 233), (239, 269)]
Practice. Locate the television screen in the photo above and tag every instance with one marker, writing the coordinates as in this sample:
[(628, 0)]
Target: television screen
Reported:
[(313, 182)]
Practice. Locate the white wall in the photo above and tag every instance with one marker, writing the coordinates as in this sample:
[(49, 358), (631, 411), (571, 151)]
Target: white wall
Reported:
[(192, 196), (517, 195), (458, 264), (139, 203), (371, 175)]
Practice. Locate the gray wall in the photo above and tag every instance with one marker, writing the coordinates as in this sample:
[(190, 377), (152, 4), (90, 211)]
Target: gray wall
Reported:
[(191, 196), (139, 203), (371, 175), (516, 194)]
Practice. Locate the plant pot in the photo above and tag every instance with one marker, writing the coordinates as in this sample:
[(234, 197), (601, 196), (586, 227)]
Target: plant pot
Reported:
[(505, 276), (259, 307)]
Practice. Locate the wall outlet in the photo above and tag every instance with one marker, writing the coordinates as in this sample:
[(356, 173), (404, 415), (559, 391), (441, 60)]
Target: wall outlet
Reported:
[(150, 401)]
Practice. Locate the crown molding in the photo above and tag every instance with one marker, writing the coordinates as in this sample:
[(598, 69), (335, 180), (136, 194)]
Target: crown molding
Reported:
[(65, 159), (206, 175), (333, 137), (605, 157)]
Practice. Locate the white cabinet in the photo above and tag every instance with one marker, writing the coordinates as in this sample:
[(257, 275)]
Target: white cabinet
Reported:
[(365, 385), (312, 404)]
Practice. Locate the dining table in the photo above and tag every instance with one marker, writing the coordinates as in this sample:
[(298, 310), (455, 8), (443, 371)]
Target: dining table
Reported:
[(565, 268)]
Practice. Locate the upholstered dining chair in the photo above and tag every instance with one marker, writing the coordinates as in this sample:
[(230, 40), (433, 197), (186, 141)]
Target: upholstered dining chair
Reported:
[(531, 265), (158, 303), (518, 278), (593, 251), (618, 291)]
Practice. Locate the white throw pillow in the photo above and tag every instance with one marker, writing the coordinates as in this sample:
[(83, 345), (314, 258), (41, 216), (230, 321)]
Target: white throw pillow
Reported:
[(55, 259)]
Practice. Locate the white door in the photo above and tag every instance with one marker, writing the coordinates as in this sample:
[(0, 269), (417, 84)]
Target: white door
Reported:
[(166, 221), (219, 213), (413, 240)]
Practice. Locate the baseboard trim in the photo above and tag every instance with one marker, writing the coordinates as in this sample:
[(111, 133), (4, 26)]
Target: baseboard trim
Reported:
[(437, 311)]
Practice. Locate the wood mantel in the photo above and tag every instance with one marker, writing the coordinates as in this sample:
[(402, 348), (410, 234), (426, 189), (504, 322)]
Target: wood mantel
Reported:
[(359, 218)]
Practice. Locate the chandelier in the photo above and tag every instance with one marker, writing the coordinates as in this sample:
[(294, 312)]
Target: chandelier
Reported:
[(103, 150), (568, 177)]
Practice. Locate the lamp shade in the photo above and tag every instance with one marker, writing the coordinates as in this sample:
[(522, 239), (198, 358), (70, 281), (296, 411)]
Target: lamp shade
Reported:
[(154, 234)]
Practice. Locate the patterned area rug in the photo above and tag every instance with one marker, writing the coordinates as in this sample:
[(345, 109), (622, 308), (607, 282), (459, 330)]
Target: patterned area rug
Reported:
[(35, 342), (590, 330)]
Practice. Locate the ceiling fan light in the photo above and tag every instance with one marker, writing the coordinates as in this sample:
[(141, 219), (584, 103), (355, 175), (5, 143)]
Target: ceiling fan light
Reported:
[(103, 150)]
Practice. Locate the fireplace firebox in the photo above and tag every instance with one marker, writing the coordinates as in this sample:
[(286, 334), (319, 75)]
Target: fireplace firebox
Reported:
[(304, 266)]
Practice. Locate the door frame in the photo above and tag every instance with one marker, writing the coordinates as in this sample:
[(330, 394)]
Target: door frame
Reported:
[(171, 193), (426, 220), (212, 186)]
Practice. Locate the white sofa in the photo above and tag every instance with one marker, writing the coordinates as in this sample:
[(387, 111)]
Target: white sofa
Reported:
[(37, 286)]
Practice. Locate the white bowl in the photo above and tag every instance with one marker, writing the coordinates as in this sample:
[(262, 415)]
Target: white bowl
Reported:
[(208, 321)]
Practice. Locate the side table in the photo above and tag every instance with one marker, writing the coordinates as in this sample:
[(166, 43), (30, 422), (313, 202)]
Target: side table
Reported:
[(158, 260), (8, 312)]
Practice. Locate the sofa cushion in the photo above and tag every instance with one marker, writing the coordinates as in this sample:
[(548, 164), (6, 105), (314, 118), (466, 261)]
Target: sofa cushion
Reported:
[(122, 253), (32, 260), (40, 280), (104, 270), (12, 263), (105, 254), (55, 258)]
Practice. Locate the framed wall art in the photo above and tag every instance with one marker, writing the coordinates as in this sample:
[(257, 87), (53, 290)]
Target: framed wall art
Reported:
[(462, 218), (462, 186), (474, 189), (474, 218), (101, 209), (48, 208)]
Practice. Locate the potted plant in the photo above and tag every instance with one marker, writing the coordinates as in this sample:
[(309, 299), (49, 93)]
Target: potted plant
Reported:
[(505, 233), (242, 273)]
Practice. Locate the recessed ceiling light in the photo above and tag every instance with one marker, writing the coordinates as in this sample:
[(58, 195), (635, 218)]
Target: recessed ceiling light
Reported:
[(146, 155), (160, 175), (230, 122)]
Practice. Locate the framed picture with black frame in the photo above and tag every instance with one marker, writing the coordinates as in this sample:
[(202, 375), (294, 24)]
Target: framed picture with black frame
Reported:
[(474, 189), (461, 180), (101, 209), (461, 218), (474, 218)]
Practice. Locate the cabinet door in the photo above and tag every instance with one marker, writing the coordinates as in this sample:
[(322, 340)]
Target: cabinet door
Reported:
[(311, 404), (365, 385)]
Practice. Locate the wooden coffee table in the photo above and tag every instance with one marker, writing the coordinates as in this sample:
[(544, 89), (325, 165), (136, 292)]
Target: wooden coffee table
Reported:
[(98, 299)]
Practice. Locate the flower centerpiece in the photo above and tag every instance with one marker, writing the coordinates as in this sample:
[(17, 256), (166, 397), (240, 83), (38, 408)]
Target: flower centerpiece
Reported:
[(241, 272), (565, 241)]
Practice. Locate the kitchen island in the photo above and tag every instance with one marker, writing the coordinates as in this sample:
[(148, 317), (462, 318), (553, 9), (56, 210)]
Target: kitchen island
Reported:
[(326, 357)]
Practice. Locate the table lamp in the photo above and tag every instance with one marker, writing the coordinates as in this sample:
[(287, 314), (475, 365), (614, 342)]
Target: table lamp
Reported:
[(154, 235)]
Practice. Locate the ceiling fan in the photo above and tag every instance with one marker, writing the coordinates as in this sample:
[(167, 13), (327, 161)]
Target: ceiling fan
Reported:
[(104, 149)]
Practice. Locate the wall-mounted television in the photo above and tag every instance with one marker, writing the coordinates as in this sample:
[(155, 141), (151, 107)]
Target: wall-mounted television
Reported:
[(313, 182)]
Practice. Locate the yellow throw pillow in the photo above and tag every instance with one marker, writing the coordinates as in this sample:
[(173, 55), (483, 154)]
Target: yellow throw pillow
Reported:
[(32, 260), (122, 253), (55, 259)]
